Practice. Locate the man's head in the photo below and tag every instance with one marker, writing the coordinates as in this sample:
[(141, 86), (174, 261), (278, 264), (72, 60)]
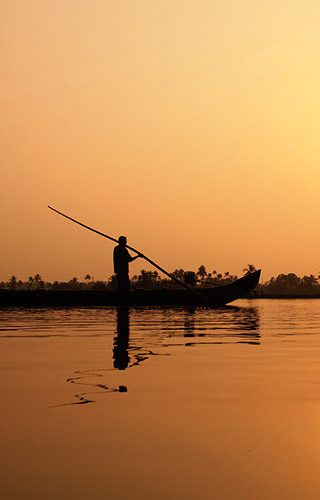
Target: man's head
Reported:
[(122, 240)]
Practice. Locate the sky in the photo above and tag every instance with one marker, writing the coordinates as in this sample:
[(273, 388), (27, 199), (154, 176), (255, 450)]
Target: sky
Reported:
[(191, 127)]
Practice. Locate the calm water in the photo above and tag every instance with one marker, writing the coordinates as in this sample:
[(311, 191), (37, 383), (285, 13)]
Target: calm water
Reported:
[(161, 403)]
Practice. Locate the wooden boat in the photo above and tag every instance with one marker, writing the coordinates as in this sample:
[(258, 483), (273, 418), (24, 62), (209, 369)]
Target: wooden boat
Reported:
[(212, 296)]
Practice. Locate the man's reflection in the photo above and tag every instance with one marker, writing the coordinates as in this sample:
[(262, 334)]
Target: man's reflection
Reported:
[(121, 356)]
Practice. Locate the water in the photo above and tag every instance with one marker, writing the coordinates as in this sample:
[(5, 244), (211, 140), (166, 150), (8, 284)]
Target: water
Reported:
[(161, 403)]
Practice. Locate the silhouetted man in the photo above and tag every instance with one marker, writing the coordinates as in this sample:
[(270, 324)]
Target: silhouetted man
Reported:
[(121, 259)]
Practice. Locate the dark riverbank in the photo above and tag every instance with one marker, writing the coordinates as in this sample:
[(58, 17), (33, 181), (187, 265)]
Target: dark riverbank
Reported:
[(283, 286), (213, 296)]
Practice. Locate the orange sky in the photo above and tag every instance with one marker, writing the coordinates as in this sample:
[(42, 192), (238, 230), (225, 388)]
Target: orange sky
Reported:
[(191, 127)]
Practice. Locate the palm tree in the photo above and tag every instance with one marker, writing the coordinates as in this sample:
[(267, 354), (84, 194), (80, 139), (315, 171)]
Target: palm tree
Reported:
[(148, 278), (112, 282), (249, 269), (313, 280), (13, 282), (37, 278), (30, 281), (87, 278), (178, 274), (202, 272)]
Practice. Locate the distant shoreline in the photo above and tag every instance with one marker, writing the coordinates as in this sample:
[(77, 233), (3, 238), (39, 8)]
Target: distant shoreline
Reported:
[(284, 296)]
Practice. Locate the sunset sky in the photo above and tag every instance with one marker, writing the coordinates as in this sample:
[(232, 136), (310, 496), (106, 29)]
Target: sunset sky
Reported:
[(192, 127)]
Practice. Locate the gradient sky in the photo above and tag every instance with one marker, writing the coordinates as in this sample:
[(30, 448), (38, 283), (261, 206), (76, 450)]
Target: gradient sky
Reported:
[(191, 127)]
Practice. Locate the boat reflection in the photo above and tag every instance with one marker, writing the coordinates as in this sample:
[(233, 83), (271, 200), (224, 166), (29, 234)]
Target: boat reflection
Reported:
[(239, 324), (189, 322), (156, 330)]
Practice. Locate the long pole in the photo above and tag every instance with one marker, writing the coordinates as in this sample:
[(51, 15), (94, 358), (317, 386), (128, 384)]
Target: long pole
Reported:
[(136, 251)]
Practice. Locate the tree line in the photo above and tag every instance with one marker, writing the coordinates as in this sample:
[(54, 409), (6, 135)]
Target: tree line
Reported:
[(288, 284)]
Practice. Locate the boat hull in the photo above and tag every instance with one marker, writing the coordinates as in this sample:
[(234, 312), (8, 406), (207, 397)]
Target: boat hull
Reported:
[(213, 297)]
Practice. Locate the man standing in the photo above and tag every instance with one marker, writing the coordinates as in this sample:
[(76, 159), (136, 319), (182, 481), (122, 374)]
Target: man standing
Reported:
[(121, 259)]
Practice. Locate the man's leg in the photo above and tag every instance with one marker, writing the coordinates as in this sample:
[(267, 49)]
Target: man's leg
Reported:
[(123, 282)]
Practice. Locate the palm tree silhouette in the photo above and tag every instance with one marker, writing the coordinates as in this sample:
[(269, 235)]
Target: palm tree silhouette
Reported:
[(202, 272), (249, 269), (13, 282)]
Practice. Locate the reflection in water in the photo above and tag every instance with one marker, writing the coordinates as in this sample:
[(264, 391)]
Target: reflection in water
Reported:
[(164, 328), (246, 318), (121, 356), (226, 418), (247, 323), (189, 322), (228, 322), (121, 345), (83, 397)]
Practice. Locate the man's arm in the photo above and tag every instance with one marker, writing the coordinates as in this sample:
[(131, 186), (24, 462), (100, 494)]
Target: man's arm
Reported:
[(136, 257), (130, 258)]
